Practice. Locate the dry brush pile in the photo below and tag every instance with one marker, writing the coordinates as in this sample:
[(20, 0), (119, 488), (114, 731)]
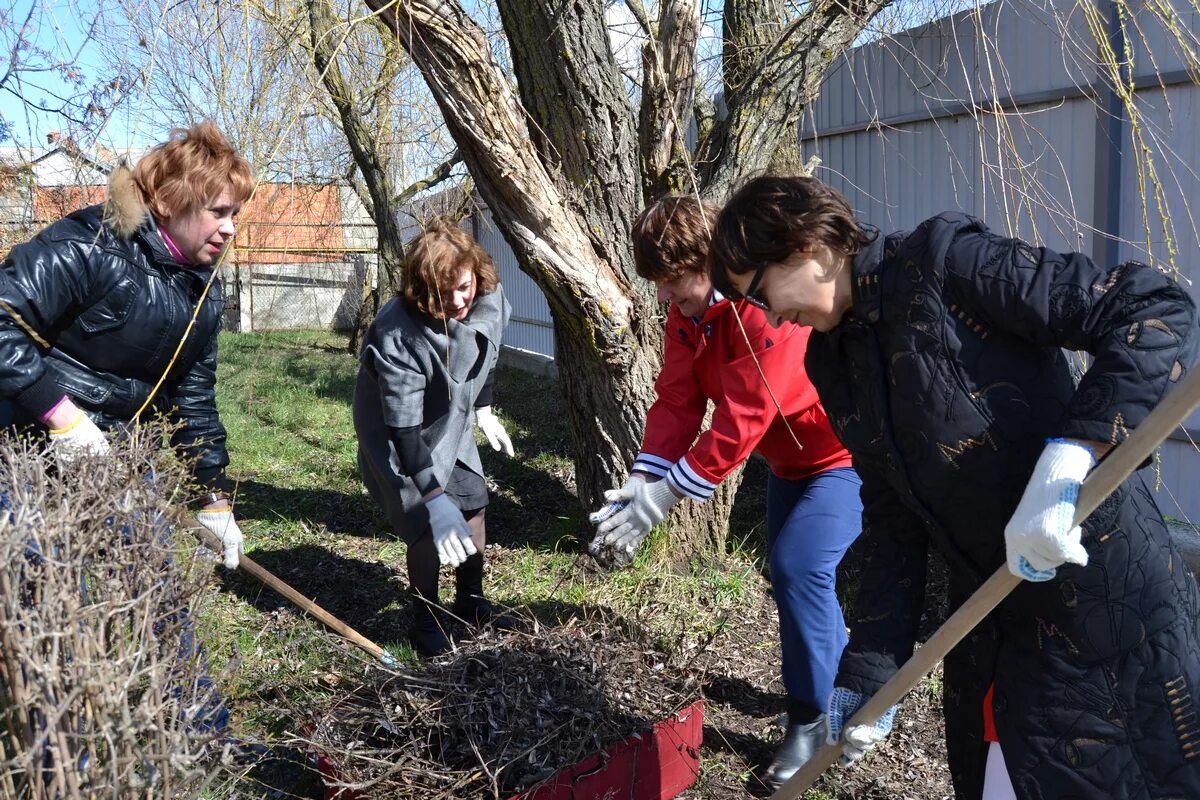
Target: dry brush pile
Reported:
[(103, 691), (500, 714)]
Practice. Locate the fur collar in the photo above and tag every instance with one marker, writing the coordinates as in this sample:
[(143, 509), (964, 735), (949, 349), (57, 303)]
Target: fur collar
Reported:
[(124, 210)]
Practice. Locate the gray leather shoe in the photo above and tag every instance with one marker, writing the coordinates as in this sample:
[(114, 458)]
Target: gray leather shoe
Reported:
[(799, 745)]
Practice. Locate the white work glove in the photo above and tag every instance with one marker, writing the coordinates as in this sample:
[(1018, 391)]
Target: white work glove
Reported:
[(857, 739), (598, 549), (226, 529), (493, 429), (451, 535), (1039, 538), (647, 503), (80, 437)]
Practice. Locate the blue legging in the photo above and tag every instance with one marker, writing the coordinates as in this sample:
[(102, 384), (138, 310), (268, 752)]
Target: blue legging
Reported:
[(810, 525)]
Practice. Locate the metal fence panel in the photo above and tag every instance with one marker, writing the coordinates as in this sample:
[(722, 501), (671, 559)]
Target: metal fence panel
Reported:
[(904, 142), (531, 327)]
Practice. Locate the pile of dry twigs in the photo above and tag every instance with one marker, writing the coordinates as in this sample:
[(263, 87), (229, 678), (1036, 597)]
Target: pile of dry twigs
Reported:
[(103, 691), (500, 714)]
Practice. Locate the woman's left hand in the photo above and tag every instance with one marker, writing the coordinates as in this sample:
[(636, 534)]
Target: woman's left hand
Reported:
[(1042, 536), (222, 523), (493, 429)]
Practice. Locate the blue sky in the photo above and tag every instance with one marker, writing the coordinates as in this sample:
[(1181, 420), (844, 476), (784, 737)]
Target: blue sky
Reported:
[(61, 63)]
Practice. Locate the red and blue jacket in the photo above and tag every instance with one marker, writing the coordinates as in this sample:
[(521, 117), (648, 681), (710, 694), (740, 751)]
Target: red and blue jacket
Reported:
[(713, 358)]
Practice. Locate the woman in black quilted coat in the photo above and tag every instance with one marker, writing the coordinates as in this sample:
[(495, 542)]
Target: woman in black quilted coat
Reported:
[(939, 355)]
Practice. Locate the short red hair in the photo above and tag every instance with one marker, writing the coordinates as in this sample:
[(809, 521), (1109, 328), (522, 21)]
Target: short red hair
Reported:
[(435, 259), (192, 168)]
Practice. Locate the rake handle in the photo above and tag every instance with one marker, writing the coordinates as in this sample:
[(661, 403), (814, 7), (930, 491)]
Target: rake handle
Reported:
[(1114, 470), (265, 577)]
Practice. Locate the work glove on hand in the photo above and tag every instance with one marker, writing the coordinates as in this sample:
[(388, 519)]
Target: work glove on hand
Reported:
[(78, 438), (226, 529), (647, 504), (598, 549), (857, 740), (451, 535), (1040, 537), (493, 429)]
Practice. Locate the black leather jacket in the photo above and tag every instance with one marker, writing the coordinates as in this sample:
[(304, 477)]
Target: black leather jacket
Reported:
[(98, 316)]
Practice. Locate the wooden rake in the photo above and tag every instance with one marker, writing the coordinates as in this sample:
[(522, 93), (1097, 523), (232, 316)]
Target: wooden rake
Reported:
[(264, 576), (1120, 463)]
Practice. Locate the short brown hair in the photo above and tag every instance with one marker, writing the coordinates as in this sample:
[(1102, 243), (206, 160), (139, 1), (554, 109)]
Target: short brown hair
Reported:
[(435, 258), (193, 167), (771, 217), (671, 236)]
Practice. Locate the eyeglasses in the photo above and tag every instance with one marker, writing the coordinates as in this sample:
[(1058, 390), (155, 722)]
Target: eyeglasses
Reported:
[(752, 294)]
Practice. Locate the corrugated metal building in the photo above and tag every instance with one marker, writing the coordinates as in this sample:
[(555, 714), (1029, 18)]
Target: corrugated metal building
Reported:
[(1002, 112)]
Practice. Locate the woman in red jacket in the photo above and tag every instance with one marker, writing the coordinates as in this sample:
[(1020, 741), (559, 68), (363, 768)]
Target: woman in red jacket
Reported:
[(714, 350)]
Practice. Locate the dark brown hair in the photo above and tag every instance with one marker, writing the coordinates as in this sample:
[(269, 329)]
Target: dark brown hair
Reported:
[(193, 167), (434, 260), (771, 217), (671, 236)]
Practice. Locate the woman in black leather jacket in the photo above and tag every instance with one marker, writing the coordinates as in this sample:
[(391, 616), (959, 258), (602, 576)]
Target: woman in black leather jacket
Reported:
[(112, 313)]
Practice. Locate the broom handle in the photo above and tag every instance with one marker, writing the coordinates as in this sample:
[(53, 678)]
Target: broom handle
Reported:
[(1120, 463), (300, 601)]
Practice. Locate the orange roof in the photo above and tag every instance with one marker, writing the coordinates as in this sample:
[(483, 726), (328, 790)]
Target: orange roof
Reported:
[(283, 223), (288, 224)]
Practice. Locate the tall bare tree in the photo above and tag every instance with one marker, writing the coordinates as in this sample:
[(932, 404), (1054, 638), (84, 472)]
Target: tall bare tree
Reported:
[(364, 96)]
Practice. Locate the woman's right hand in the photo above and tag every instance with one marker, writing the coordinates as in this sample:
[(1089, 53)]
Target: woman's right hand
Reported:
[(451, 534), (73, 434)]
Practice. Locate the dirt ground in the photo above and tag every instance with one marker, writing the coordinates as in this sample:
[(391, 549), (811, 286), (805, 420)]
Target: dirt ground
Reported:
[(738, 672), (744, 702)]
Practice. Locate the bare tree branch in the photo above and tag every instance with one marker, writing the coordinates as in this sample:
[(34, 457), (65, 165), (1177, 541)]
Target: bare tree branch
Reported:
[(668, 85), (435, 176)]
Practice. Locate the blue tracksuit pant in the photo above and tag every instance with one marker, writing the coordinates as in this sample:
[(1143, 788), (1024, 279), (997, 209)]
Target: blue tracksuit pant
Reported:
[(810, 525)]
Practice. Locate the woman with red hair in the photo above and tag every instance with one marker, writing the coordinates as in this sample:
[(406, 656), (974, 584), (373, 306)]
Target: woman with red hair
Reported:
[(112, 313)]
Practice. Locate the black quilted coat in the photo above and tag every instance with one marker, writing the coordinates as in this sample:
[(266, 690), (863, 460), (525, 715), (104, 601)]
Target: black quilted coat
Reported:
[(944, 381), (95, 309)]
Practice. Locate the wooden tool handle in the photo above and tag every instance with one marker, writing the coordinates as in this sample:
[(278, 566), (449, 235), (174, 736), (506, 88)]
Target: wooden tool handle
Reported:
[(300, 601)]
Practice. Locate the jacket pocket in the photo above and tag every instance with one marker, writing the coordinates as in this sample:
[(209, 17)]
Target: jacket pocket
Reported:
[(111, 310)]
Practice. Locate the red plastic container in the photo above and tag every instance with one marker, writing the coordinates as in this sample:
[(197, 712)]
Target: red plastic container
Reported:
[(654, 765)]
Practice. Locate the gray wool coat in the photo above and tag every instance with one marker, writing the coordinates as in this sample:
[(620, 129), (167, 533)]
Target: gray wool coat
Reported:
[(416, 370)]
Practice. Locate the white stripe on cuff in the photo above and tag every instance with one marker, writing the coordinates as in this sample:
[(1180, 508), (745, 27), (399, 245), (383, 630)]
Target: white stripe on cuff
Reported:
[(685, 479), (651, 464)]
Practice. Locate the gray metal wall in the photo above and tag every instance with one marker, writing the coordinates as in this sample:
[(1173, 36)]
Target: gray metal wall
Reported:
[(530, 330), (1000, 112)]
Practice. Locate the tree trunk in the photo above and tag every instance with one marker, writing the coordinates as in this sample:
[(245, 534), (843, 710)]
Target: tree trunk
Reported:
[(668, 88), (765, 102)]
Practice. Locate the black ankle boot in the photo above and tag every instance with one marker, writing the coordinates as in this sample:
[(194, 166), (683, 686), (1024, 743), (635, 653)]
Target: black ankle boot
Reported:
[(475, 610), (469, 603), (427, 634), (800, 744)]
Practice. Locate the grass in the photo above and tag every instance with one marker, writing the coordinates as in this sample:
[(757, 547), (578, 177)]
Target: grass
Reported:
[(285, 400)]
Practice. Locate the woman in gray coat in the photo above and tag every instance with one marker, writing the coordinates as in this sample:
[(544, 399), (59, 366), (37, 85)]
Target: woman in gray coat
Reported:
[(427, 368)]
